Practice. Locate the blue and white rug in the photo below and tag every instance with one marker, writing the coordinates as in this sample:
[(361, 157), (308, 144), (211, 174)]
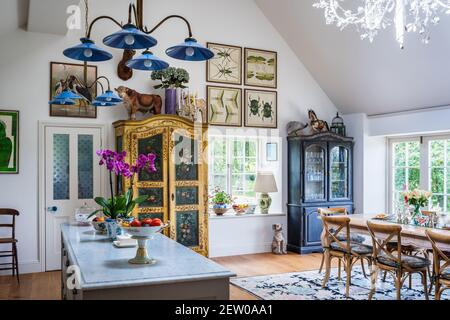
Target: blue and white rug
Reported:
[(307, 285)]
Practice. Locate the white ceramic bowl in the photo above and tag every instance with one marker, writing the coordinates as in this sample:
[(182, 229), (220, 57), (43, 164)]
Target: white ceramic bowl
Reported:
[(143, 232)]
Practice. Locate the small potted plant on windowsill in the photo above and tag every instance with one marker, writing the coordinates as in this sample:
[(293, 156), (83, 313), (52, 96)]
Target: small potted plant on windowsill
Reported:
[(220, 201)]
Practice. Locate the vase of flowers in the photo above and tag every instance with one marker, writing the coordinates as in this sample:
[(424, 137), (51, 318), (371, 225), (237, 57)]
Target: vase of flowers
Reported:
[(220, 201), (416, 199), (120, 206), (171, 79)]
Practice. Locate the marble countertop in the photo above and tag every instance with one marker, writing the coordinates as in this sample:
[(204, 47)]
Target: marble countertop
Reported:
[(104, 266)]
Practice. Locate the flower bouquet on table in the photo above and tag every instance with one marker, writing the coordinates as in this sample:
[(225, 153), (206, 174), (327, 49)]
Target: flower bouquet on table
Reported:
[(121, 206), (417, 199), (220, 201)]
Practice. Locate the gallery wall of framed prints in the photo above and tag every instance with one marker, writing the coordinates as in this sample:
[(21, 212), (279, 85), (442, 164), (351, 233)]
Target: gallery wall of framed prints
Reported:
[(246, 81)]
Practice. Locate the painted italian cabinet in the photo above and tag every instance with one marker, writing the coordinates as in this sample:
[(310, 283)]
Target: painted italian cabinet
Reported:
[(177, 192), (320, 175)]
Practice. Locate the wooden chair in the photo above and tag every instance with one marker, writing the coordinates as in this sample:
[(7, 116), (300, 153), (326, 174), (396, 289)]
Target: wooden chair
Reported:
[(353, 237), (395, 262), (10, 240), (337, 228), (441, 262)]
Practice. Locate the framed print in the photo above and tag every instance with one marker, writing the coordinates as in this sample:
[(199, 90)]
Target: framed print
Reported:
[(66, 75), (261, 108), (271, 151), (260, 68), (9, 141), (226, 66), (224, 106)]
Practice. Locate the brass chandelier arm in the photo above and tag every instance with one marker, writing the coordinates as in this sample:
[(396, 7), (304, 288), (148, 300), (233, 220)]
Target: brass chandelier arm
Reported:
[(97, 81), (144, 29), (88, 34)]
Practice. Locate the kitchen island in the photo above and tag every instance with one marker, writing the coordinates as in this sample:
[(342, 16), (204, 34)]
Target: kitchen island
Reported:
[(92, 268)]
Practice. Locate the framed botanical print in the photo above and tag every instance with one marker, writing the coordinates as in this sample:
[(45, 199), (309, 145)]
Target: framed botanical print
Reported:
[(224, 106), (66, 75), (9, 141), (261, 108), (260, 68), (226, 66)]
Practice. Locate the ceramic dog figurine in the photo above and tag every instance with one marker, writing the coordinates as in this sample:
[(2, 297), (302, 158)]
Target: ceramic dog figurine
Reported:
[(278, 242), (135, 101)]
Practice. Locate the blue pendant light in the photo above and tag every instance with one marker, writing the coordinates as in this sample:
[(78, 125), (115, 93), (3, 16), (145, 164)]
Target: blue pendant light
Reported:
[(87, 51), (67, 102), (130, 37), (97, 103), (190, 50), (68, 94), (147, 61), (109, 97)]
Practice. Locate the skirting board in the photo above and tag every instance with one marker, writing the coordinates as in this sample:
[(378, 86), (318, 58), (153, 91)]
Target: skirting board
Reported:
[(236, 250), (25, 267)]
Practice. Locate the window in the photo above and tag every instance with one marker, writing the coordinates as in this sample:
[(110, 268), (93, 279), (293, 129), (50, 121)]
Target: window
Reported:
[(421, 162), (233, 165)]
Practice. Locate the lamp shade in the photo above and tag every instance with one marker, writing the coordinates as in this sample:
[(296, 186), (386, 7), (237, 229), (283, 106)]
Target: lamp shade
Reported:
[(190, 50), (109, 96), (87, 51), (67, 102), (130, 37), (67, 94), (97, 103), (265, 182), (147, 61)]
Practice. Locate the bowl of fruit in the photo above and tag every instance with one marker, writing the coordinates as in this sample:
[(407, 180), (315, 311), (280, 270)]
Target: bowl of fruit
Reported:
[(143, 228), (99, 224), (240, 208)]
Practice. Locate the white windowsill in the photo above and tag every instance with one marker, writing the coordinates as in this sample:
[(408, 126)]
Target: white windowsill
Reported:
[(232, 215)]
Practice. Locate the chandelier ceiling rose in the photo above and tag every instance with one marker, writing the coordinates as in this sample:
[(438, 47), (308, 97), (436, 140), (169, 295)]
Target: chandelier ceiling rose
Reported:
[(371, 16)]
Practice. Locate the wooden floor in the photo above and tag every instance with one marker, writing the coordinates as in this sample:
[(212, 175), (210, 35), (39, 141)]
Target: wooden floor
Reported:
[(46, 285)]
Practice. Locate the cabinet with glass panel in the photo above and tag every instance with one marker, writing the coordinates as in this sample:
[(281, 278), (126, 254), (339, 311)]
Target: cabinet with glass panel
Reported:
[(319, 176)]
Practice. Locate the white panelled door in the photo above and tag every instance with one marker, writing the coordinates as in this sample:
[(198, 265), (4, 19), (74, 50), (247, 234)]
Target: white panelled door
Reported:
[(72, 178)]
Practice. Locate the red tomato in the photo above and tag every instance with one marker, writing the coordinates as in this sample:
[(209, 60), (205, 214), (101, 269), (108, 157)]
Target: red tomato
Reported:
[(156, 222), (135, 223), (146, 222)]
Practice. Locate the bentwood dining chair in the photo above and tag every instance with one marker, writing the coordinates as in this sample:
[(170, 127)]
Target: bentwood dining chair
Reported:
[(354, 237), (338, 228), (396, 263), (441, 262), (9, 214)]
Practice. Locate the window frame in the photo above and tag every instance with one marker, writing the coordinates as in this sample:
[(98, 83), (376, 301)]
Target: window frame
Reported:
[(229, 140), (424, 165)]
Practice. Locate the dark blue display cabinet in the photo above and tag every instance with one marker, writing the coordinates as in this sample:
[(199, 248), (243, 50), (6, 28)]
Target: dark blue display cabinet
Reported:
[(320, 175)]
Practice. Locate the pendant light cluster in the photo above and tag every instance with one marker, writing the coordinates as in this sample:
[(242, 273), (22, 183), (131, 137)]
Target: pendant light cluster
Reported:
[(130, 37)]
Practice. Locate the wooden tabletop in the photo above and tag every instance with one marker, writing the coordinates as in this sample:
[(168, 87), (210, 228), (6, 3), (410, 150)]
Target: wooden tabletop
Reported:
[(410, 234)]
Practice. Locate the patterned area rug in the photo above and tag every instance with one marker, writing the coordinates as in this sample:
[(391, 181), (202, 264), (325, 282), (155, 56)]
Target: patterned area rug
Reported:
[(308, 286)]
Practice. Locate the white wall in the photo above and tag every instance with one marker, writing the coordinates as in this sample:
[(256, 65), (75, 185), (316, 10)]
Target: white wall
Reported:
[(25, 84)]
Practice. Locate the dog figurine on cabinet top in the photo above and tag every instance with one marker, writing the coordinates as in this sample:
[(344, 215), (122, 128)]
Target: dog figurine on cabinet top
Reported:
[(278, 242), (135, 101)]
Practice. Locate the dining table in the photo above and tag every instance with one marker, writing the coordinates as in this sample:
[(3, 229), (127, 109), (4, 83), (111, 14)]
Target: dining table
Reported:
[(411, 234)]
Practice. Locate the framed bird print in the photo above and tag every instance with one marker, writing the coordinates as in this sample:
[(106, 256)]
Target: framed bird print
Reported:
[(261, 109), (69, 76), (226, 66), (260, 68), (9, 141)]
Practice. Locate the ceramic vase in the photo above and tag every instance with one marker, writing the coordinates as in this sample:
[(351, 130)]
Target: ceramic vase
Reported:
[(113, 229), (220, 208), (171, 101)]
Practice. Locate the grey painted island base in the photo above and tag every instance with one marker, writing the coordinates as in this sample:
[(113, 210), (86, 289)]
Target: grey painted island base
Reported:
[(103, 272)]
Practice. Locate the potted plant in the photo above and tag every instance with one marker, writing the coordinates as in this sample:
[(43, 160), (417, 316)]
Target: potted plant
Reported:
[(121, 206), (220, 200), (171, 79)]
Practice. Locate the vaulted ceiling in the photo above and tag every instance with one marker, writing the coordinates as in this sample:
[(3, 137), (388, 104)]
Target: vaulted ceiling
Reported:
[(359, 76)]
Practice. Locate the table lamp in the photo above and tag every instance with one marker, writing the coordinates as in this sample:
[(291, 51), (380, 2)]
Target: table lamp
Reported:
[(265, 183)]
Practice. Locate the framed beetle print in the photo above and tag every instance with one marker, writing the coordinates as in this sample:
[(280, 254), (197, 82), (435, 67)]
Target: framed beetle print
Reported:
[(261, 108)]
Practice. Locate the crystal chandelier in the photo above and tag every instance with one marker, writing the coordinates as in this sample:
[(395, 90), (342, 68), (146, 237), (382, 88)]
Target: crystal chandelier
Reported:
[(371, 16)]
